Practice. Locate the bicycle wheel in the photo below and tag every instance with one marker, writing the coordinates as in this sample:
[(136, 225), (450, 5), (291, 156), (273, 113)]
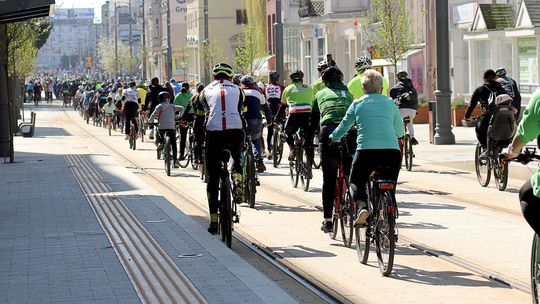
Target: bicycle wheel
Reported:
[(535, 270), (335, 212), (251, 181), (483, 166), (194, 164), (225, 214), (109, 126), (408, 152), (385, 241), (187, 156), (346, 213), (141, 128), (316, 161), (167, 155), (363, 233), (277, 148), (500, 173), (305, 173)]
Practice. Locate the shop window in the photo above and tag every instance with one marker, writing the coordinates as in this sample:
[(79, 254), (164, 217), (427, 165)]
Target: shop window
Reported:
[(528, 71)]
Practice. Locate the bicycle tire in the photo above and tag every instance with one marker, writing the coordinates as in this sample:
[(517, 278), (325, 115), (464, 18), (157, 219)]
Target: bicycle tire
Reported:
[(535, 270), (500, 173), (408, 152), (305, 173), (194, 164), (277, 148), (167, 155), (187, 156), (316, 161), (110, 128), (251, 180), (385, 241), (346, 213), (225, 215), (482, 164)]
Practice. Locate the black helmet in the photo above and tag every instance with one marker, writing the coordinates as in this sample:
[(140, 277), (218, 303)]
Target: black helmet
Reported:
[(236, 78), (402, 75), (322, 66), (500, 72), (163, 95), (296, 75), (132, 84), (362, 63), (247, 80), (274, 76), (332, 74)]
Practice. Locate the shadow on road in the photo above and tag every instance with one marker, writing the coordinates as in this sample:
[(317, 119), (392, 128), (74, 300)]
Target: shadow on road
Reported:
[(267, 206), (299, 251)]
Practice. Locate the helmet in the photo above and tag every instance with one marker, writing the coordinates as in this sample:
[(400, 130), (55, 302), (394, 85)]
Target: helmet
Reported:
[(363, 63), (247, 80), (296, 75), (163, 95), (172, 80), (402, 75), (322, 66), (222, 69), (332, 74), (141, 85), (500, 72), (132, 84), (274, 76), (236, 78)]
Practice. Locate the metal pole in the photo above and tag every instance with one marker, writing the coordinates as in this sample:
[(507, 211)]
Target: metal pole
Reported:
[(143, 41), (205, 44), (116, 37), (4, 107), (130, 38), (169, 54), (443, 129), (278, 40)]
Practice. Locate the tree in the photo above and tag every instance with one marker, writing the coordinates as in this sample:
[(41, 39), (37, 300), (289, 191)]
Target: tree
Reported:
[(211, 53), (108, 60), (246, 54), (253, 40), (393, 34)]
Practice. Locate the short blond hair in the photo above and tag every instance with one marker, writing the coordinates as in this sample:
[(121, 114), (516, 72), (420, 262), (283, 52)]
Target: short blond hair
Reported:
[(372, 82)]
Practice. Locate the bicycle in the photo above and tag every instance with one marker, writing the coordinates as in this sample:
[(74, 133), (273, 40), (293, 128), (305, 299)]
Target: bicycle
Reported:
[(202, 163), (249, 173), (188, 155), (381, 226), (277, 143), (109, 118), (227, 211), (344, 206), (300, 168), (316, 161), (132, 136), (406, 145), (142, 124)]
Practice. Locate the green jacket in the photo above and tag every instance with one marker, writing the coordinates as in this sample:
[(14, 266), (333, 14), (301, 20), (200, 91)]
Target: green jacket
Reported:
[(298, 97), (528, 130), (182, 99), (317, 85), (330, 104), (356, 88)]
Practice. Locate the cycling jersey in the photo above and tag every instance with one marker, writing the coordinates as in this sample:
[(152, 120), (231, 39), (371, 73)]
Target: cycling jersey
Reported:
[(317, 85), (273, 92), (298, 97), (182, 99), (108, 109), (132, 95), (356, 88), (255, 103), (332, 103), (528, 130), (223, 102), (142, 94)]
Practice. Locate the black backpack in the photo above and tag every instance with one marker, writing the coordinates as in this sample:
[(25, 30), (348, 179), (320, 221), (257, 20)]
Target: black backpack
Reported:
[(502, 123)]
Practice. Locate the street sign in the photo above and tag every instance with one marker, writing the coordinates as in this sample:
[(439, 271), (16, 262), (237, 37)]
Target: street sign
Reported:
[(89, 62)]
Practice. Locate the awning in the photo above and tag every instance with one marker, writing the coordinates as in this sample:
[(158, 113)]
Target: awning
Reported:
[(381, 63), (263, 65)]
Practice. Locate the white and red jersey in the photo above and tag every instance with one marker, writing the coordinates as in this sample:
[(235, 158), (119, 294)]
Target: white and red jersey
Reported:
[(223, 101), (273, 92)]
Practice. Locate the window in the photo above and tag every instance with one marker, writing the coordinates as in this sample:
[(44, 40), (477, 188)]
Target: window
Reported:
[(320, 50), (241, 17), (528, 76), (308, 62)]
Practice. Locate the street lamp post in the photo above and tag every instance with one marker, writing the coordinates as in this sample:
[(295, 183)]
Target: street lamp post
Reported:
[(143, 41), (169, 54), (278, 40), (130, 37), (116, 37), (443, 129), (206, 44)]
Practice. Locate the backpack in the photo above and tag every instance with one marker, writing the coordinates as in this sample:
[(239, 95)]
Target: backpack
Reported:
[(404, 98), (502, 123), (508, 86)]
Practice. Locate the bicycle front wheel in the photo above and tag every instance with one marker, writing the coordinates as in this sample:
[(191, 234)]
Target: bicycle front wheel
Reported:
[(187, 156), (225, 214), (277, 148), (408, 152), (251, 181), (316, 161), (483, 166), (167, 155), (305, 173), (535, 270), (346, 213), (385, 240), (500, 173)]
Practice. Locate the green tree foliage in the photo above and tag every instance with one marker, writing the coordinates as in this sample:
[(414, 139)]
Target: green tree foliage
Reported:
[(211, 54), (247, 53), (393, 34), (108, 60), (253, 40)]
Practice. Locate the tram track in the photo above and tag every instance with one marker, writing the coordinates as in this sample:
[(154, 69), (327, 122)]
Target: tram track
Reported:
[(312, 283)]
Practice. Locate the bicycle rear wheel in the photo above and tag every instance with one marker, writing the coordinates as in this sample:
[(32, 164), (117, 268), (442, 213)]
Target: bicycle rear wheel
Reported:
[(167, 155), (277, 148), (251, 181), (385, 240), (316, 161), (346, 213), (500, 173), (225, 214), (408, 152), (187, 156), (535, 270), (483, 166), (363, 234), (305, 173)]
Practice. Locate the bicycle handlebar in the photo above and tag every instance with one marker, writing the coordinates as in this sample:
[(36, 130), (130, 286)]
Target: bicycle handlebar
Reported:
[(526, 157)]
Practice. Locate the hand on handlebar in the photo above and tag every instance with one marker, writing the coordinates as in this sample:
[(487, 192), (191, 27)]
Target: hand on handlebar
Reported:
[(507, 153)]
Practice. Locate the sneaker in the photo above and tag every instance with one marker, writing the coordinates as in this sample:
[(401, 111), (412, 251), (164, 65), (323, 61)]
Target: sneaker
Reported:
[(151, 136), (269, 156), (213, 228), (291, 156), (257, 182), (176, 164), (414, 141), (237, 178), (361, 217), (260, 166), (238, 194), (327, 227)]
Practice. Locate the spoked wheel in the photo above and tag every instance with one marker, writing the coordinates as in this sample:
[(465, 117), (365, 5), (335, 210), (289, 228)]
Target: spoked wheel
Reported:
[(187, 157), (225, 215), (167, 155), (277, 149), (385, 240), (346, 216), (294, 172), (483, 166), (251, 183), (305, 174), (194, 164), (408, 152), (500, 173), (316, 161), (535, 270)]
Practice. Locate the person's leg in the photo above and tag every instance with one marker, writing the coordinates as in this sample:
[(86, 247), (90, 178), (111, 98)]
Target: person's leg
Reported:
[(329, 164), (236, 145), (214, 147), (411, 113), (481, 131), (254, 128), (183, 135), (127, 126), (172, 136), (530, 206)]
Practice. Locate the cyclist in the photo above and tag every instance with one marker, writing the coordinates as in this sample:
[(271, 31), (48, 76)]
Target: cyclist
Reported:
[(175, 85), (482, 95), (273, 92), (155, 89), (236, 79), (165, 112), (406, 98), (528, 129), (143, 93), (198, 123), (319, 84), (511, 88), (362, 64), (223, 102), (255, 103), (131, 99), (298, 98), (182, 99), (329, 107), (379, 126)]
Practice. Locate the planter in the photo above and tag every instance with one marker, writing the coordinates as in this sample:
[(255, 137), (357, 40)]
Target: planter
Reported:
[(459, 113), (422, 115)]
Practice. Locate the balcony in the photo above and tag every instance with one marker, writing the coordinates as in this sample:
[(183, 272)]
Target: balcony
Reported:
[(309, 8)]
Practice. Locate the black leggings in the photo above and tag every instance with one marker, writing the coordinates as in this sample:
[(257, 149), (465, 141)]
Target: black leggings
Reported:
[(127, 125), (172, 136), (530, 206), (274, 107), (365, 161), (216, 142), (294, 122)]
